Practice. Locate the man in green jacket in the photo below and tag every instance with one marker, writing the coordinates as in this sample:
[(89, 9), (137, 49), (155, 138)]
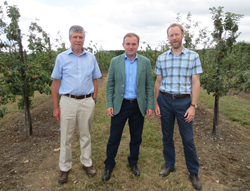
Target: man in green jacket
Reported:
[(130, 95)]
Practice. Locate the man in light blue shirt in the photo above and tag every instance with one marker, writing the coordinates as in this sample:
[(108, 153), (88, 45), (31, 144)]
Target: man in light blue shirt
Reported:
[(75, 79), (130, 96)]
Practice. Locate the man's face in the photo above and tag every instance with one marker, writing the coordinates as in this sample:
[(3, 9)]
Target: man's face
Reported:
[(77, 41), (175, 36), (130, 45)]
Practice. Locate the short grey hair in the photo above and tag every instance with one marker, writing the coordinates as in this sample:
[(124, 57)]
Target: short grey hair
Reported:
[(76, 29)]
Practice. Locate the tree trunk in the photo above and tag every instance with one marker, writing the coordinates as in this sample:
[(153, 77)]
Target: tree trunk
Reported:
[(216, 114), (20, 46), (28, 122), (216, 103)]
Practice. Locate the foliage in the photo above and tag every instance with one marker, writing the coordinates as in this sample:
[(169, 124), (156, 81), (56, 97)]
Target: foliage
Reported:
[(2, 112), (242, 57), (152, 54), (220, 71), (194, 34), (24, 72), (103, 58)]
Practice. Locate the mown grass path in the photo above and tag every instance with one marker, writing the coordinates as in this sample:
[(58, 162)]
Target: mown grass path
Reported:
[(220, 157), (32, 164)]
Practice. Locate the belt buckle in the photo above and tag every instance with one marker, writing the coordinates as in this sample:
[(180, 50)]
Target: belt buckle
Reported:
[(131, 101), (173, 96)]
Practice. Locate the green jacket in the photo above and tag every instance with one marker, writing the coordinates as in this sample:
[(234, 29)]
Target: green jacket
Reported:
[(116, 84)]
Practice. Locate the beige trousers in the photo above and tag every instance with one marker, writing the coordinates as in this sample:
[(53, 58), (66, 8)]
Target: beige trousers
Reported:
[(75, 112)]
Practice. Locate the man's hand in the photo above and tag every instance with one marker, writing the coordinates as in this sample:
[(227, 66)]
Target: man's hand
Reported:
[(157, 110), (110, 111), (189, 115), (56, 114), (149, 112)]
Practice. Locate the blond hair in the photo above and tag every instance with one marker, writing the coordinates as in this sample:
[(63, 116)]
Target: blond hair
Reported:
[(174, 25)]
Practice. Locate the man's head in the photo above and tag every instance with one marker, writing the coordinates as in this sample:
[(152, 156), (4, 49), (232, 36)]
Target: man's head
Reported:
[(175, 34), (76, 29), (76, 38), (131, 44), (131, 35)]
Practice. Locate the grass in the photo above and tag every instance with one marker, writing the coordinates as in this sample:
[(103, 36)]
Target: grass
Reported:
[(233, 107), (150, 162), (12, 108), (151, 158)]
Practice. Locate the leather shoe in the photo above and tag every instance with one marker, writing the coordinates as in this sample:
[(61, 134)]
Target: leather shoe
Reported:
[(135, 170), (195, 181), (63, 177), (106, 175), (166, 171), (89, 170)]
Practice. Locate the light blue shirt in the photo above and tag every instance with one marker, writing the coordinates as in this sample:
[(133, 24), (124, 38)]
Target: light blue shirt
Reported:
[(76, 72), (130, 78)]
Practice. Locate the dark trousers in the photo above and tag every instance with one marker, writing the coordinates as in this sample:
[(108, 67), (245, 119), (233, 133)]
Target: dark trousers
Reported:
[(172, 108), (131, 112)]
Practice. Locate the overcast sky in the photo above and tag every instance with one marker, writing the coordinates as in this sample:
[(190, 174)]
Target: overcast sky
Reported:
[(107, 21)]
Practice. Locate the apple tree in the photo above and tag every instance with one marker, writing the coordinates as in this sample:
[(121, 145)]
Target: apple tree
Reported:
[(23, 71), (220, 66)]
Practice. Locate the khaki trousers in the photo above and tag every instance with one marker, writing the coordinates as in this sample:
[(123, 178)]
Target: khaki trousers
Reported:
[(75, 112)]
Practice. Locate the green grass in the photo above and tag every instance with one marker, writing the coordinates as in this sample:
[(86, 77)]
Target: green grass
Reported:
[(233, 107), (12, 108), (150, 162), (151, 158)]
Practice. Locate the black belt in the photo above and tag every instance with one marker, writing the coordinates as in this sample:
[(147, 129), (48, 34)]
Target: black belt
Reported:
[(130, 100), (78, 97), (176, 96)]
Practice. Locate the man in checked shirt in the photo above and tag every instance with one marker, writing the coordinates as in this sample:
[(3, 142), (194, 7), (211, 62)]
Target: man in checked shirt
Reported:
[(176, 92)]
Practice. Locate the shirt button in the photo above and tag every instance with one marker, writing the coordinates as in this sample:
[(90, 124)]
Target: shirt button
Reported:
[(122, 95), (122, 85)]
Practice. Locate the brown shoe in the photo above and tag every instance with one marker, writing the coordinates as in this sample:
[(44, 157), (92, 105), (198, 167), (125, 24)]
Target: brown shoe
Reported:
[(195, 181), (166, 171), (89, 170), (63, 177)]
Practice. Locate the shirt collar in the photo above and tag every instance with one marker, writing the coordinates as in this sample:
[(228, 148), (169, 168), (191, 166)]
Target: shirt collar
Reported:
[(183, 51), (125, 56), (70, 51)]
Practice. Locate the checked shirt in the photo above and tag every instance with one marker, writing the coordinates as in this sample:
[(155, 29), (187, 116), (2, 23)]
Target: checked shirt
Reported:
[(177, 71)]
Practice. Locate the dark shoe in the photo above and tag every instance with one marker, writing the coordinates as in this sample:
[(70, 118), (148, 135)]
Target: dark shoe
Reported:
[(106, 175), (135, 169), (166, 171), (89, 170), (195, 181), (63, 177)]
